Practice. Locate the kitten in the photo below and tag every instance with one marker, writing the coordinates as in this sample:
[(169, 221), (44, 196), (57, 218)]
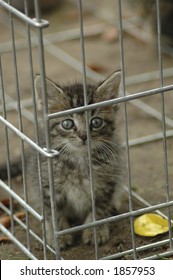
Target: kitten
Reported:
[(71, 168)]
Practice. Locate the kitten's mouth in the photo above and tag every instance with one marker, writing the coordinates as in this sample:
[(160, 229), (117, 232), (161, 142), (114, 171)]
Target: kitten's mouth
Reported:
[(80, 145), (84, 143), (81, 142)]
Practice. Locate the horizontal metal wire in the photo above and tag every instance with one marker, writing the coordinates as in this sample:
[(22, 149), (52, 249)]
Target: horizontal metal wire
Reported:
[(119, 217), (112, 102), (20, 200), (17, 242), (160, 256), (24, 226), (22, 136), (32, 22), (138, 249), (76, 64)]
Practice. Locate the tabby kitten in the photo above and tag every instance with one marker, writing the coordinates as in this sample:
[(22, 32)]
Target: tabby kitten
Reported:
[(71, 168)]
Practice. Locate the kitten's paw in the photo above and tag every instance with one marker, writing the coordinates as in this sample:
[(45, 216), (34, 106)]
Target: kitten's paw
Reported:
[(102, 235), (65, 241)]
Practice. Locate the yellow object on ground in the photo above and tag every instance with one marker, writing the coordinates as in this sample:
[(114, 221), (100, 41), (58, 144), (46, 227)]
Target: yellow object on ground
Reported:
[(150, 225)]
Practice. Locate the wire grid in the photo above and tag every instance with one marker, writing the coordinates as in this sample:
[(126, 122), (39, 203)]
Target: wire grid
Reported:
[(21, 23)]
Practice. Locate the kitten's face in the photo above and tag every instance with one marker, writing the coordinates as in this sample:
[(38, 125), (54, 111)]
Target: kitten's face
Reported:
[(69, 133)]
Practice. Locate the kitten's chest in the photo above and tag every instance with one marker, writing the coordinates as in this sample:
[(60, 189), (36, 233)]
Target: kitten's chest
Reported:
[(76, 175), (70, 175), (74, 186)]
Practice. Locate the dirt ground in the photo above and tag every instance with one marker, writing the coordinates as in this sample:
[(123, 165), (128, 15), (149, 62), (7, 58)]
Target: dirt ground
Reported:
[(147, 172)]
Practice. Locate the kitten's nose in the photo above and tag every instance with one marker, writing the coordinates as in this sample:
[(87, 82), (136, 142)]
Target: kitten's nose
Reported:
[(83, 137)]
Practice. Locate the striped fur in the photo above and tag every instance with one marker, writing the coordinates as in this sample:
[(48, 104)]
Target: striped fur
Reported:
[(71, 167)]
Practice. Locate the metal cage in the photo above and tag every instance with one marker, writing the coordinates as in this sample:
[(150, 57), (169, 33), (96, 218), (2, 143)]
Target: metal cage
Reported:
[(26, 47)]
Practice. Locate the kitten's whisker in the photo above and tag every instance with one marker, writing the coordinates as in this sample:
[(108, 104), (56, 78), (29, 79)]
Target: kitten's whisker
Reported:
[(64, 151), (58, 146), (103, 153), (106, 153), (116, 149), (109, 149), (113, 144)]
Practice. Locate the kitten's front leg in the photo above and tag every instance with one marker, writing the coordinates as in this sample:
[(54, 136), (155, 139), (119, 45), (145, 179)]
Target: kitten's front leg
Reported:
[(67, 239), (102, 232), (63, 240)]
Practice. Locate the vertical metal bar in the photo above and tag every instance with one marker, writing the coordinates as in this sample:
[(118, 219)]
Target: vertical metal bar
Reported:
[(19, 122), (120, 28), (87, 126), (9, 177), (6, 141), (46, 125), (36, 127), (165, 155), (7, 146)]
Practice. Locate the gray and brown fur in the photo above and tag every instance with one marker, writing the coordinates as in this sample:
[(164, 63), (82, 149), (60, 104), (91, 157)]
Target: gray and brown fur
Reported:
[(71, 167)]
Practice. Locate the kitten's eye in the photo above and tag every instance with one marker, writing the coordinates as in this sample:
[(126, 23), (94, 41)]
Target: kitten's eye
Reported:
[(96, 122), (67, 124)]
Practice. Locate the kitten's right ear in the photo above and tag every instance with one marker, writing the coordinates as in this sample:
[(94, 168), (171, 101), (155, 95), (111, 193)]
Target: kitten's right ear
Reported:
[(55, 95), (109, 88)]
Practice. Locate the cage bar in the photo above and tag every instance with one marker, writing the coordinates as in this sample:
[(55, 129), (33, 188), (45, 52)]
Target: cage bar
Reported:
[(26, 35)]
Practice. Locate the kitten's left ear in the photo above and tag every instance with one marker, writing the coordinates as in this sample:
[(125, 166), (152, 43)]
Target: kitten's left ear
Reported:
[(109, 89)]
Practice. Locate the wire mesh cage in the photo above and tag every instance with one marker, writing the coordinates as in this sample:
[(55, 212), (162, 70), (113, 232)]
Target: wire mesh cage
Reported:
[(86, 41)]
